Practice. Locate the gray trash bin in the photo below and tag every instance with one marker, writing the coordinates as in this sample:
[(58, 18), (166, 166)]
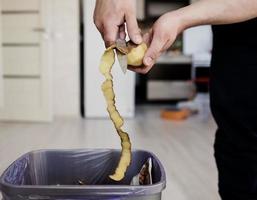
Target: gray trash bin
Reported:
[(54, 174)]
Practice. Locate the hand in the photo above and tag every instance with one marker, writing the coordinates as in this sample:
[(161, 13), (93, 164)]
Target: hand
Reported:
[(110, 17), (159, 39)]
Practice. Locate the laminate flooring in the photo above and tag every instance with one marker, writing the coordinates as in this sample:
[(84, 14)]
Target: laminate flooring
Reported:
[(185, 148)]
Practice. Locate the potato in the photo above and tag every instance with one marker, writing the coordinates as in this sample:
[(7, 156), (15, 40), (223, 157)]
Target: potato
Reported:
[(136, 54)]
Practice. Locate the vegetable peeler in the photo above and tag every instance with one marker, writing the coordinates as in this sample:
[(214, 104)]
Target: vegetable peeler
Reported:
[(121, 51)]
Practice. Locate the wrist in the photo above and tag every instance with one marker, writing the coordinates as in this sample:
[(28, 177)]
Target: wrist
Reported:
[(179, 19)]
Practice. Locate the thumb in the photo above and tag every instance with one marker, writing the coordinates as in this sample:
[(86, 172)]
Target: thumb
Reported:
[(133, 30), (154, 50)]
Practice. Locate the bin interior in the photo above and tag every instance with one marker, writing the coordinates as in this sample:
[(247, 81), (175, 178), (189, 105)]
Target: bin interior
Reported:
[(65, 167)]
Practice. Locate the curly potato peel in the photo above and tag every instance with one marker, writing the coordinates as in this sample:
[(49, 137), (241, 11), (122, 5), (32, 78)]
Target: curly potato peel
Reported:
[(135, 56)]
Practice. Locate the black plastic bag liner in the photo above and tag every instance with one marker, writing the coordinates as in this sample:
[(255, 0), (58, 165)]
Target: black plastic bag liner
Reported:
[(55, 174)]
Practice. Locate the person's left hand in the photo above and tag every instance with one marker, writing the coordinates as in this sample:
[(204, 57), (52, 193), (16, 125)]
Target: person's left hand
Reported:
[(159, 39), (111, 17)]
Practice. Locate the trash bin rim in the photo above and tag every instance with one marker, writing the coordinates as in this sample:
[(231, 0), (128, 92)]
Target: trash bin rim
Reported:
[(87, 190), (121, 189)]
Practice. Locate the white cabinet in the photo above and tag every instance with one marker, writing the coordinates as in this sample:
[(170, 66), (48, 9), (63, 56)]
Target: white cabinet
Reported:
[(21, 61), (21, 28), (1, 66), (197, 40), (21, 5), (26, 56)]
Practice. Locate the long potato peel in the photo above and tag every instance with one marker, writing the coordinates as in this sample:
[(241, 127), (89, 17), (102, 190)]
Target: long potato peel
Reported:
[(107, 61)]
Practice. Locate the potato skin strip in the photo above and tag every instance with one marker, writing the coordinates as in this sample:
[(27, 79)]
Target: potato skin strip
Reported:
[(107, 61)]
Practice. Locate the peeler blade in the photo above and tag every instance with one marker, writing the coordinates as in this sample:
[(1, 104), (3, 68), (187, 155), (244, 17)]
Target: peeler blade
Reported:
[(121, 54)]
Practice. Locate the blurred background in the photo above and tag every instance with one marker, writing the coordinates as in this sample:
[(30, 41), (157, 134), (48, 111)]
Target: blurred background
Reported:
[(50, 93)]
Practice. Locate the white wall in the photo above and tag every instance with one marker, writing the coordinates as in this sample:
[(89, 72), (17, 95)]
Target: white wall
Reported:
[(124, 84), (65, 30)]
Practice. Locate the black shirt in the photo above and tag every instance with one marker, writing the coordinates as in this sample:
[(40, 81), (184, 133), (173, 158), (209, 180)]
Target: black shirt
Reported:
[(233, 40), (233, 86), (233, 93), (244, 33)]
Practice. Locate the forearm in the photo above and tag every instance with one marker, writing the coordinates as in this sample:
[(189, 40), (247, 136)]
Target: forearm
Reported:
[(170, 25), (215, 12)]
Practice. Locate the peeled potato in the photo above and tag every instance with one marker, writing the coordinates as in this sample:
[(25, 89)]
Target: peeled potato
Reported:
[(135, 56)]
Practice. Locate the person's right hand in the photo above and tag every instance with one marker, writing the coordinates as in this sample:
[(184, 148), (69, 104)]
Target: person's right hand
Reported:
[(110, 17), (161, 36)]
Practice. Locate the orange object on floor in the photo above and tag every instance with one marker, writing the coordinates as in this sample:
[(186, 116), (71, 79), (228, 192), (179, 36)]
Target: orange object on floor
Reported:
[(175, 114)]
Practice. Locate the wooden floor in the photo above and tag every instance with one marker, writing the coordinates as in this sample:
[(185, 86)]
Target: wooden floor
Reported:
[(184, 148)]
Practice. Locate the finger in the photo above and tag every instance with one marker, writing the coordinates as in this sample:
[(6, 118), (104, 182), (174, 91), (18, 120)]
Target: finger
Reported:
[(101, 31), (141, 70), (154, 50), (110, 33), (133, 30), (122, 32), (147, 37)]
